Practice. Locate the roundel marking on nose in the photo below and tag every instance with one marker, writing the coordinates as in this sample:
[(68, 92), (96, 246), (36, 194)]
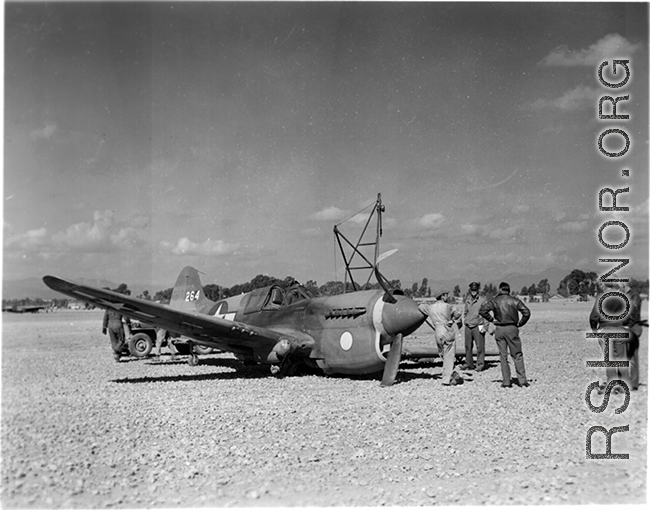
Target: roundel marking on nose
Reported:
[(346, 341)]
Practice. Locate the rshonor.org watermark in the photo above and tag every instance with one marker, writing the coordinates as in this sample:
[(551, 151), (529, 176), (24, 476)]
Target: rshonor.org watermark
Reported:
[(613, 142)]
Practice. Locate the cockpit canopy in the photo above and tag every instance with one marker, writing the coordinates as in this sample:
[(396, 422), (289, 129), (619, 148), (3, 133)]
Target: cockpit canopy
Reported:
[(271, 298)]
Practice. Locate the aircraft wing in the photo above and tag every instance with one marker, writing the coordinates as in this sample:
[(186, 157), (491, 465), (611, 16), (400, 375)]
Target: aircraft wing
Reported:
[(227, 335)]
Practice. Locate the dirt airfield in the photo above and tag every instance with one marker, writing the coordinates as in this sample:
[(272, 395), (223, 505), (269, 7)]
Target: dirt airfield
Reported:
[(82, 431)]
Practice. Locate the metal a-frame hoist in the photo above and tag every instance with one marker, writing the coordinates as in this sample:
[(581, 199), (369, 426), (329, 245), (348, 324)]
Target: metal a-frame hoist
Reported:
[(371, 260)]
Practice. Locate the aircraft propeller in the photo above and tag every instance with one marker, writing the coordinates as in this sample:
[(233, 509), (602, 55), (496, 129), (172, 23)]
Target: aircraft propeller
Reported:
[(392, 363), (389, 298), (400, 316)]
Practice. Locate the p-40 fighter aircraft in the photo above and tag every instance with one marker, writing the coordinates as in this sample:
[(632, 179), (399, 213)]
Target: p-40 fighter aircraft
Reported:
[(358, 332), (25, 308)]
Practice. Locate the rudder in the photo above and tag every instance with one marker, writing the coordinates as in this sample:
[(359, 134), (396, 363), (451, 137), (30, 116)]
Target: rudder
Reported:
[(188, 292)]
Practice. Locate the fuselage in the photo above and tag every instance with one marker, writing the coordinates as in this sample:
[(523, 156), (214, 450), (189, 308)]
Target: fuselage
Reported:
[(347, 334)]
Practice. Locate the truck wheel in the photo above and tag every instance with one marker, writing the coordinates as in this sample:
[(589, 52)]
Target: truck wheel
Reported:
[(140, 345), (202, 349)]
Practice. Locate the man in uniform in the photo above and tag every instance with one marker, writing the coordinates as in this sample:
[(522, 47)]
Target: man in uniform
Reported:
[(636, 330), (114, 323), (474, 329), (442, 317), (506, 310), (620, 349)]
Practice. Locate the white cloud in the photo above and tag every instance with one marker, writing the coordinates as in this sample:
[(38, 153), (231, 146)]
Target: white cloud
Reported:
[(209, 247), (329, 214), (609, 47), (470, 229), (103, 234), (88, 235), (578, 98), (30, 239), (360, 218), (430, 221), (521, 208)]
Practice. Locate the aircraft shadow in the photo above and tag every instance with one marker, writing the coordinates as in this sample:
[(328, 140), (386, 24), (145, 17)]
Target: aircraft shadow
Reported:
[(243, 371), (432, 362), (240, 371)]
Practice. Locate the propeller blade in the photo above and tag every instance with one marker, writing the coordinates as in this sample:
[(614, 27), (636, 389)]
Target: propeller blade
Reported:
[(385, 255), (384, 285), (392, 363)]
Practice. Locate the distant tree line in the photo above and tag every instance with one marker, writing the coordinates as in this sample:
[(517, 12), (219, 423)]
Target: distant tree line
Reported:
[(56, 303), (577, 282)]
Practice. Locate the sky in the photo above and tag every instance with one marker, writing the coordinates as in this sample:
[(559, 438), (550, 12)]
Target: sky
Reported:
[(143, 137)]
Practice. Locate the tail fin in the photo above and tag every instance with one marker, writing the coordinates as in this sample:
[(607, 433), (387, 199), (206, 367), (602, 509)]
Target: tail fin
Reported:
[(188, 292)]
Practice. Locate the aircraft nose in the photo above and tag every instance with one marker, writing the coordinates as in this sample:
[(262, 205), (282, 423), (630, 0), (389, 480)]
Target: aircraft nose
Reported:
[(402, 317)]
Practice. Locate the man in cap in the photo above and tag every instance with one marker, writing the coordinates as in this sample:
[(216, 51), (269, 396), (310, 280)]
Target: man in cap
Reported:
[(442, 317), (474, 329), (295, 293), (506, 310)]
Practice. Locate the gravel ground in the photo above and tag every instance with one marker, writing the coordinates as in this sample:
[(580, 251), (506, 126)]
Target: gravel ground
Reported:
[(81, 431)]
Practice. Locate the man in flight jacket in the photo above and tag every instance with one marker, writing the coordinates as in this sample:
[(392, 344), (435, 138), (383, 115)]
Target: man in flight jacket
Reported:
[(506, 310)]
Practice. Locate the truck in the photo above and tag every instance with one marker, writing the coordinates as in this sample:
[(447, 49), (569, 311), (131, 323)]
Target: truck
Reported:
[(141, 339)]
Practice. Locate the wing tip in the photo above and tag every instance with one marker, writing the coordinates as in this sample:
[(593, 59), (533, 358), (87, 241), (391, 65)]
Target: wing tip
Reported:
[(50, 280)]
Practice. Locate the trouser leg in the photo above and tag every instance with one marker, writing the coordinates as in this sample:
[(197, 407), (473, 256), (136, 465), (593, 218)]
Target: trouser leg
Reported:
[(617, 352), (469, 357), (514, 345), (117, 340), (479, 338), (448, 351), (633, 357), (160, 336), (502, 345)]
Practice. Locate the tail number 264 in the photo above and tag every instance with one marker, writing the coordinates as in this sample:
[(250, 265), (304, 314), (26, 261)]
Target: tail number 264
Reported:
[(192, 295)]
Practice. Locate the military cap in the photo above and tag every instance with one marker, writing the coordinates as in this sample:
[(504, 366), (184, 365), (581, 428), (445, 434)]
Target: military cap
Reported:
[(474, 286), (440, 292)]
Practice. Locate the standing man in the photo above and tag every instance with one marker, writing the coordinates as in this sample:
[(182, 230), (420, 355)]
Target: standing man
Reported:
[(442, 317), (636, 330), (474, 329), (113, 322), (506, 310), (620, 349)]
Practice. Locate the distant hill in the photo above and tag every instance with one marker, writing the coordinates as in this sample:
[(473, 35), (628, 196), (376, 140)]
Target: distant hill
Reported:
[(554, 276)]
